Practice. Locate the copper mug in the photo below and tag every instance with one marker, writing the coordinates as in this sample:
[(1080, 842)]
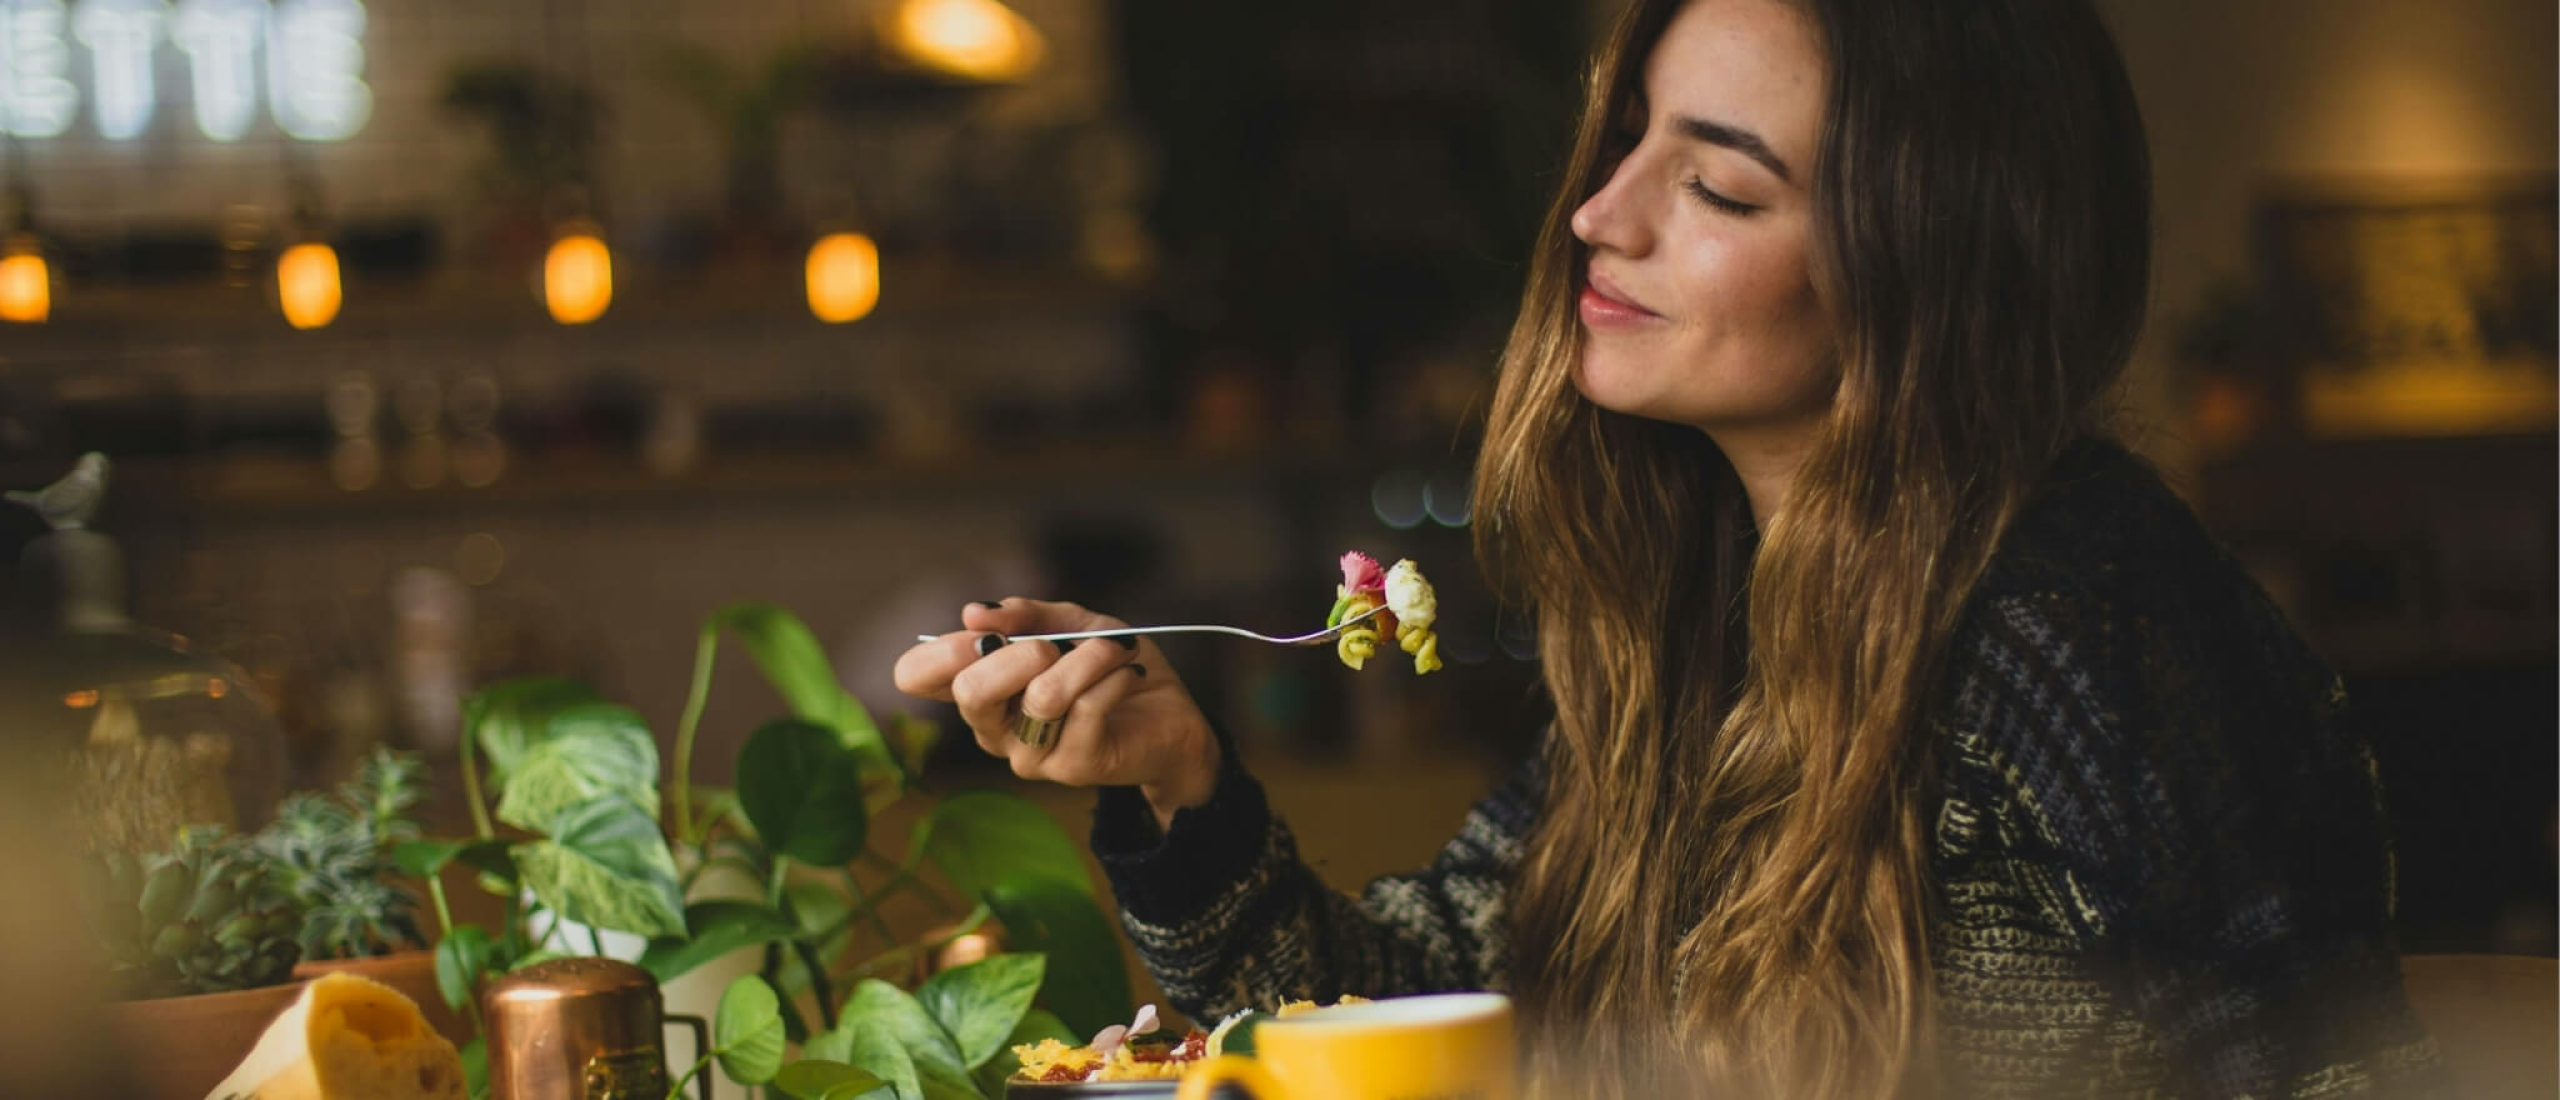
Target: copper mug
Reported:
[(581, 1029)]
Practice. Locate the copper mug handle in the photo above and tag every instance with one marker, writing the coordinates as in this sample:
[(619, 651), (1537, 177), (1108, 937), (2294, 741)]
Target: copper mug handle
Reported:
[(701, 1046)]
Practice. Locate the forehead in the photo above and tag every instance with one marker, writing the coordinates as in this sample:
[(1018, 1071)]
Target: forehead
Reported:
[(1756, 64)]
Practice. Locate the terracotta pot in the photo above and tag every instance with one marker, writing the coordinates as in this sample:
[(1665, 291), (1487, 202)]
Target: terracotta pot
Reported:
[(413, 973), (178, 1048)]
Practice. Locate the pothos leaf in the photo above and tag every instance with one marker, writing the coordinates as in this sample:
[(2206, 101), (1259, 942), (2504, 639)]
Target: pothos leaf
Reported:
[(714, 928), (1087, 982), (817, 1079), (981, 838), (606, 866), (797, 665), (595, 750), (747, 1031), (877, 1008), (463, 955), (979, 1004), (507, 719), (803, 790), (872, 1050)]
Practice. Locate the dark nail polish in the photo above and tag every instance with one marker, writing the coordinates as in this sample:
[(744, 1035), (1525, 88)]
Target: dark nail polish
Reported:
[(1064, 646), (989, 643), (991, 605), (1126, 641)]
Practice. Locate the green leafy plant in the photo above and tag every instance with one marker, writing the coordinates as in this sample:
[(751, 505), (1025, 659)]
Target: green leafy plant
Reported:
[(332, 856), (203, 917), (575, 783)]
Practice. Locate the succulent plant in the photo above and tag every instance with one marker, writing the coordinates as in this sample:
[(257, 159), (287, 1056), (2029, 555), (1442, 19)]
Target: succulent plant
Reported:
[(204, 917), (332, 857)]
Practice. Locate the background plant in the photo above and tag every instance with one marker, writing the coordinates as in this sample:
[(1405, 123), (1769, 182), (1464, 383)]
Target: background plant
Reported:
[(575, 780), (204, 917), (332, 855)]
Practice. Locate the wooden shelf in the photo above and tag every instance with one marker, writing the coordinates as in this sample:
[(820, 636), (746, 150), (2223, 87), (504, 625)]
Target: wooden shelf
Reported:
[(272, 486)]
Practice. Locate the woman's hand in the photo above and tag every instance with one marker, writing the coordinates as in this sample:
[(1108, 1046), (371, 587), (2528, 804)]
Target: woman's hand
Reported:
[(1099, 712)]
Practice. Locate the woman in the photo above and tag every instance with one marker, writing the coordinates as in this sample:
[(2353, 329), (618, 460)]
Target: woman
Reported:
[(1909, 737)]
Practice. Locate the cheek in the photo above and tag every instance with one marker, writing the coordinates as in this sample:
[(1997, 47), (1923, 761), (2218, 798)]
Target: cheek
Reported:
[(1763, 307)]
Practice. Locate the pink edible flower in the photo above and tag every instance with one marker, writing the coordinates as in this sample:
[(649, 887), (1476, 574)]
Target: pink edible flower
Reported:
[(1360, 573)]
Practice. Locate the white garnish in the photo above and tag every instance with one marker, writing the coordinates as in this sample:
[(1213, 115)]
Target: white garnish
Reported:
[(1410, 596)]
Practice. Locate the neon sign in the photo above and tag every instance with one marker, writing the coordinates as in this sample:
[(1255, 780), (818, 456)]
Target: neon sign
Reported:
[(313, 65)]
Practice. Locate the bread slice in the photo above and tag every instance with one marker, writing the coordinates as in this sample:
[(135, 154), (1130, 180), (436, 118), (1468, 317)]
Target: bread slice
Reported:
[(347, 1038)]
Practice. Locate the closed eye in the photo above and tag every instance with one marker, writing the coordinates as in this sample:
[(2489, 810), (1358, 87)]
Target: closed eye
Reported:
[(1698, 188)]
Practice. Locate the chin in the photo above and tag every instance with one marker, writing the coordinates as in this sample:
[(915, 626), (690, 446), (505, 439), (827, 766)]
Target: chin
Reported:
[(1617, 387)]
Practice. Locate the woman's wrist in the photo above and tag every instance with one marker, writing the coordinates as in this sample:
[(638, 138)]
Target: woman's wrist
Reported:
[(1188, 785)]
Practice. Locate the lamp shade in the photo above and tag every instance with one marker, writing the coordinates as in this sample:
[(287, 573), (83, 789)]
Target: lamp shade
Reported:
[(307, 285), (577, 278), (844, 277), (26, 284)]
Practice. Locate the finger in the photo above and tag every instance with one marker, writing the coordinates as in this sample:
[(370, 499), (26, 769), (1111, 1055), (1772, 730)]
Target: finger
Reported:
[(1085, 754), (984, 690), (1055, 689), (1020, 616), (926, 669)]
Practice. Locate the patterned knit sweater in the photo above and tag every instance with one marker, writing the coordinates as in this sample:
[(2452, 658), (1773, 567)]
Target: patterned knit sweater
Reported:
[(2159, 857)]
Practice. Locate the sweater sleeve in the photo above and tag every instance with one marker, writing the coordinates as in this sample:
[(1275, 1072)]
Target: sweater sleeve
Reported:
[(2217, 833), (1227, 917)]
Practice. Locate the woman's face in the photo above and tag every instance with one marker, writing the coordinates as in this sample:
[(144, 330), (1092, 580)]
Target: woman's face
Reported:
[(1697, 307)]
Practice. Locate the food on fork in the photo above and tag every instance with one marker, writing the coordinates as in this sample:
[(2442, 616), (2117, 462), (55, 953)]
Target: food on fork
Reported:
[(1406, 605)]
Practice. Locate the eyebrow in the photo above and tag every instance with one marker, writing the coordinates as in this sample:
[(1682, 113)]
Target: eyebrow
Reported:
[(1735, 138)]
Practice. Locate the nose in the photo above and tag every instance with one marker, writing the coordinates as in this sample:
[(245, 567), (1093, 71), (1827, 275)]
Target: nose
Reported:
[(1611, 218)]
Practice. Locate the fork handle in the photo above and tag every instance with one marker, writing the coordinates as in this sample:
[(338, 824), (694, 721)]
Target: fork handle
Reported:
[(1122, 632)]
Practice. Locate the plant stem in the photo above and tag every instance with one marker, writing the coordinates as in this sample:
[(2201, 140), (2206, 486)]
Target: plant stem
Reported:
[(864, 906), (595, 941), (699, 1064), (902, 952), (905, 877), (435, 890), (781, 876), (471, 789), (818, 983), (704, 650)]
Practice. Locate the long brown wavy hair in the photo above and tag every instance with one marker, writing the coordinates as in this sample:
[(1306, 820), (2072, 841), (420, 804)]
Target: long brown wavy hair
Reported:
[(1729, 885)]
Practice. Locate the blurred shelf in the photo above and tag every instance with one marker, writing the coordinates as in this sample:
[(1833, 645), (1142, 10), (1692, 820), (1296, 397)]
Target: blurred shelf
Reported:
[(267, 486), (486, 304)]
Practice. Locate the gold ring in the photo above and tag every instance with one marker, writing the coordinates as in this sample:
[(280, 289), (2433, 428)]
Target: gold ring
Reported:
[(1039, 733)]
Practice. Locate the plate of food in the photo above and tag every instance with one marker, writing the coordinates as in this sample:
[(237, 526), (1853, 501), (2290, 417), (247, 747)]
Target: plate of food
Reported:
[(1142, 1058)]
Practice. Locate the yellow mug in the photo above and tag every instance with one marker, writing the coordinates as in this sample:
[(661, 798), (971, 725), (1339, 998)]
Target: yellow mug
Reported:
[(1443, 1046)]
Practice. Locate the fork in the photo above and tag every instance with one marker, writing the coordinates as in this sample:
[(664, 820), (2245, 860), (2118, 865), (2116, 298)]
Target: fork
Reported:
[(1318, 638)]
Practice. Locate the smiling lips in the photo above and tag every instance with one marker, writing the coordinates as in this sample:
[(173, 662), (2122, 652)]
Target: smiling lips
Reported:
[(1604, 307)]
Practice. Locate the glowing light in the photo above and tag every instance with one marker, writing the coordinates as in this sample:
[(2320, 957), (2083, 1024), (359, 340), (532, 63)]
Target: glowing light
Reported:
[(577, 278), (26, 286), (217, 687), (120, 35), (220, 39), (979, 39), (315, 66), (844, 277), (81, 700), (307, 285), (37, 98)]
